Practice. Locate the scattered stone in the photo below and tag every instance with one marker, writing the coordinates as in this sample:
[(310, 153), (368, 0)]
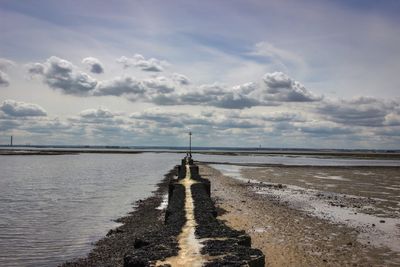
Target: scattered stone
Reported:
[(139, 243), (114, 231), (136, 261)]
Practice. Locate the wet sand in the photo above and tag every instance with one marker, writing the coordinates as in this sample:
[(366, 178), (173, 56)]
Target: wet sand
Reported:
[(291, 236)]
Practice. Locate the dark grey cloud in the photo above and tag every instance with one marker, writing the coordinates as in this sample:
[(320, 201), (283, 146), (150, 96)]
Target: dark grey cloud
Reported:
[(182, 120), (363, 111), (164, 100), (158, 85), (325, 130), (180, 79), (389, 132), (280, 87), (139, 61), (98, 116), (96, 113), (61, 74), (215, 95), (7, 124), (4, 79), (35, 68), (246, 88), (278, 117), (234, 101), (21, 109), (107, 131), (49, 126), (159, 117), (119, 86), (157, 90), (94, 64)]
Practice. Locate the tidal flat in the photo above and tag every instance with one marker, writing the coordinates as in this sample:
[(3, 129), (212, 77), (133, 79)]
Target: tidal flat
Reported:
[(313, 215)]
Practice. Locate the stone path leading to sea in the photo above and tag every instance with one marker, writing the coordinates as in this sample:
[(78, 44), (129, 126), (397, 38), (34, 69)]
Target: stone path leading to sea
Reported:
[(189, 245), (193, 236)]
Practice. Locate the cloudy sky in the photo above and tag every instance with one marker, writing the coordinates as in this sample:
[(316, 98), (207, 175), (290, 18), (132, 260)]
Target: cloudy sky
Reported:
[(318, 74)]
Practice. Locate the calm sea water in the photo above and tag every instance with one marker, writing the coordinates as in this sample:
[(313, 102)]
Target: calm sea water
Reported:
[(52, 208)]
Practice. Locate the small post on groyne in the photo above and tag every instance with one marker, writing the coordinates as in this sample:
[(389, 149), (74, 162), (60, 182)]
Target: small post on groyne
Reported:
[(190, 143)]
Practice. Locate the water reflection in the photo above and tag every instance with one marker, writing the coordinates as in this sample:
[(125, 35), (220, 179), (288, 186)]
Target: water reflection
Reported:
[(53, 207)]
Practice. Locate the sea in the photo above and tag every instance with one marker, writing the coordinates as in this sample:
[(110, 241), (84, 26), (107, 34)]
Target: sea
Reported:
[(53, 208)]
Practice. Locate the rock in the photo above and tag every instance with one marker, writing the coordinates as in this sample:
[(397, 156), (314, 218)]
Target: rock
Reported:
[(135, 261), (382, 221), (114, 231), (139, 243)]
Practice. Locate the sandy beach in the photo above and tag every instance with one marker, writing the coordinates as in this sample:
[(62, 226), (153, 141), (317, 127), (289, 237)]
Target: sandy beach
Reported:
[(289, 236)]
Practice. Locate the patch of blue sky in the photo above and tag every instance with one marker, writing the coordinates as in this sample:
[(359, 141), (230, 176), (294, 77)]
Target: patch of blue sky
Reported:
[(222, 43)]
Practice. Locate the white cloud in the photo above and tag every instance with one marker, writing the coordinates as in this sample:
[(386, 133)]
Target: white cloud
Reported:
[(94, 64), (6, 64), (280, 87), (392, 119), (4, 79), (119, 86), (139, 61), (21, 109), (171, 90), (63, 75), (278, 57)]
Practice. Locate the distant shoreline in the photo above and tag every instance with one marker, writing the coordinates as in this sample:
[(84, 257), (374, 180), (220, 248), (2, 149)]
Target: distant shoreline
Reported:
[(7, 151)]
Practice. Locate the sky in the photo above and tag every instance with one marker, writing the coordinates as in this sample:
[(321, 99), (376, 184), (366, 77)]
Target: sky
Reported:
[(238, 73)]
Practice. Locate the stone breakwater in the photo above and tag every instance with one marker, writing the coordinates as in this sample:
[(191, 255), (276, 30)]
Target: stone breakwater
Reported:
[(192, 234)]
